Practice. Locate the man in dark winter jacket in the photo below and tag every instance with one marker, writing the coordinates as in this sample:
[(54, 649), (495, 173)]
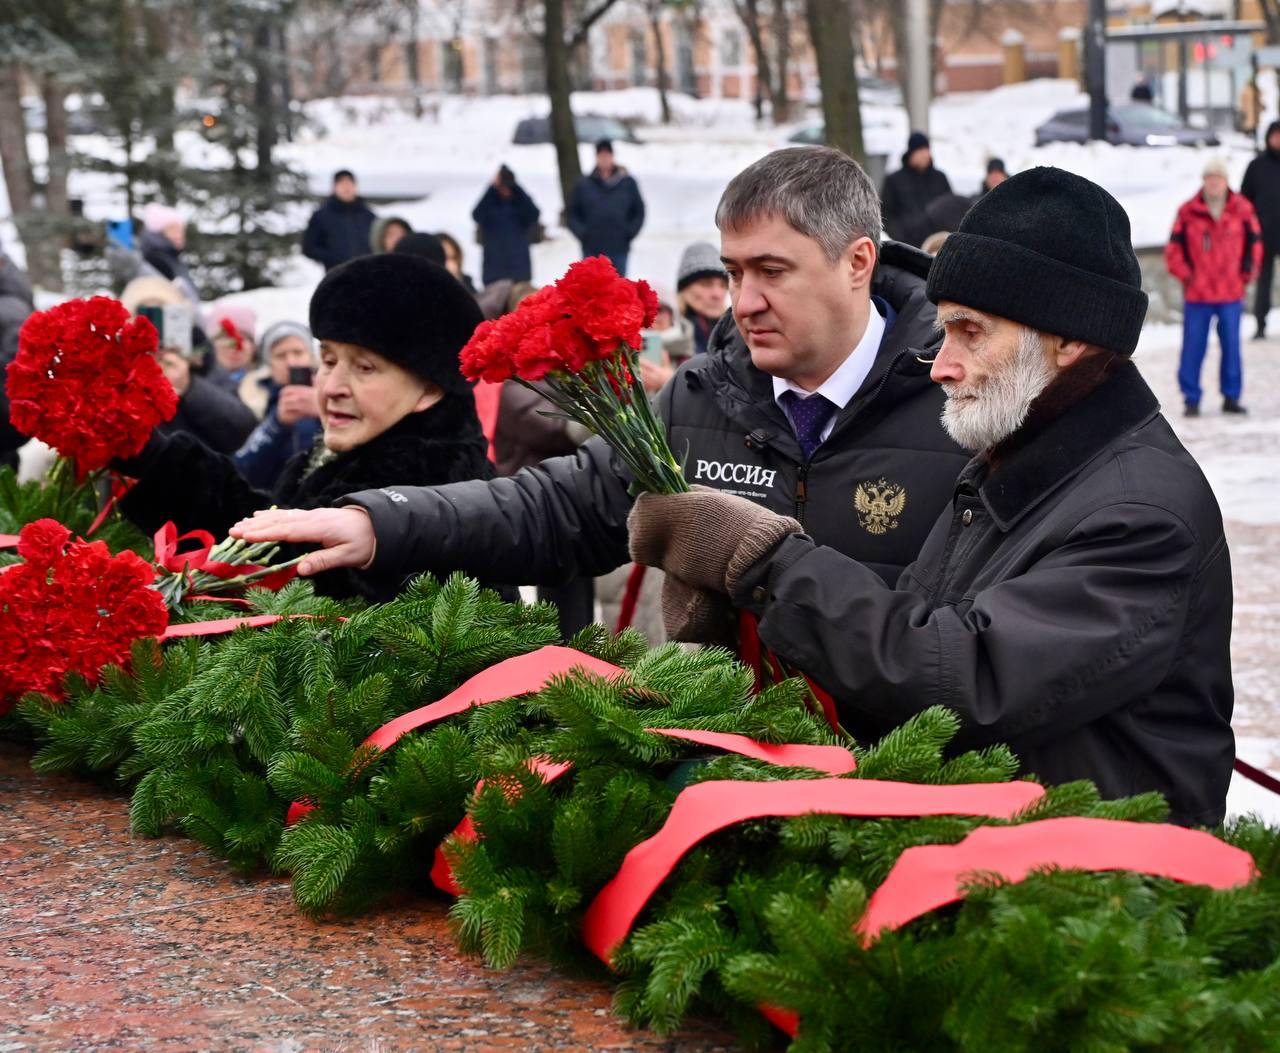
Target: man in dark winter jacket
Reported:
[(1074, 601), (16, 304), (339, 229), (394, 407), (1261, 186), (908, 191), (606, 211), (820, 309), (505, 216)]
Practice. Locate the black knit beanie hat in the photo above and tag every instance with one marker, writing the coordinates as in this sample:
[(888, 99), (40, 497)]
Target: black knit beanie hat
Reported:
[(1051, 250), (406, 309)]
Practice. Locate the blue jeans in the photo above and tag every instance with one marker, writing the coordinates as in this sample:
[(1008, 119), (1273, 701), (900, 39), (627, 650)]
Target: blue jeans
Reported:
[(1196, 319)]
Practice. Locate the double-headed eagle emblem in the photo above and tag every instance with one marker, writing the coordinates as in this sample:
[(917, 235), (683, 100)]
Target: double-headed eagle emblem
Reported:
[(879, 504)]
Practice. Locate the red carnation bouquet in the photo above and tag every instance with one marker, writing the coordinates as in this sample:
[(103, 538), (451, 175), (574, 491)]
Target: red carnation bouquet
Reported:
[(574, 343), (86, 381), (70, 607)]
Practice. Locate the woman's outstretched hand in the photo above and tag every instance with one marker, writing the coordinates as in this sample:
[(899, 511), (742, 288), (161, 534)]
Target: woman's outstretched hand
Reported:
[(344, 535)]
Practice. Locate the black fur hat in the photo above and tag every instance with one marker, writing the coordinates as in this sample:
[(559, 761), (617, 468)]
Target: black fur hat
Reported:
[(404, 308), (1051, 250)]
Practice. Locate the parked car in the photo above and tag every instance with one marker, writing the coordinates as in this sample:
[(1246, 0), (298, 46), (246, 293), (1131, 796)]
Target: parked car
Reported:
[(590, 129), (1139, 124)]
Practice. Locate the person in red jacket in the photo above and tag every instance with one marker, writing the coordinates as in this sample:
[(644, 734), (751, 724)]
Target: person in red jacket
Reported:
[(1214, 250)]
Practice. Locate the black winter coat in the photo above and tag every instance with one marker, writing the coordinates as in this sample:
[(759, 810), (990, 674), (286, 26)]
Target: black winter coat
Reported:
[(182, 480), (504, 227), (905, 198), (567, 516), (1261, 186), (606, 215), (211, 411), (1074, 602), (16, 305), (338, 231)]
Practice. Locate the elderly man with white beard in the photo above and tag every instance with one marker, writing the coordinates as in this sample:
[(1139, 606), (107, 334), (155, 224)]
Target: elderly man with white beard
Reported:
[(1074, 601)]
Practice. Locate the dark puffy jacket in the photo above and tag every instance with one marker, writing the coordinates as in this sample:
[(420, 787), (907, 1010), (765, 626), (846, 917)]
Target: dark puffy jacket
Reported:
[(180, 479), (606, 215), (163, 255), (271, 445), (16, 305), (1214, 258), (1074, 602), (504, 229), (567, 516), (211, 411), (1261, 186), (338, 231), (905, 201)]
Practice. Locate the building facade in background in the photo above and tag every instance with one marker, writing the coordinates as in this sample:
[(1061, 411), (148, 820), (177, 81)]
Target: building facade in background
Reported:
[(487, 47)]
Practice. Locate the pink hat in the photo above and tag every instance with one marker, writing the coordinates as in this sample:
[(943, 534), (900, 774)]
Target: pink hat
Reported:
[(155, 217), (242, 317)]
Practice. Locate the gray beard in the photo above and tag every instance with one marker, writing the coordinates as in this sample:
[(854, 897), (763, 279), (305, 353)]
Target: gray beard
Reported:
[(1001, 403)]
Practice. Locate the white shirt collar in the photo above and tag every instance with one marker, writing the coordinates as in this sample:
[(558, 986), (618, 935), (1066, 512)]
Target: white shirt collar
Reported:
[(844, 383)]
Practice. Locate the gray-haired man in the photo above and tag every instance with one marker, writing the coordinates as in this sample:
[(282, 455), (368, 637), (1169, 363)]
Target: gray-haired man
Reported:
[(812, 401)]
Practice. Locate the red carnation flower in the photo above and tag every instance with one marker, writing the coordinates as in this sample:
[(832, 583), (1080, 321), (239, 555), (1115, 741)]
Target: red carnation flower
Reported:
[(71, 607), (86, 381), (576, 341)]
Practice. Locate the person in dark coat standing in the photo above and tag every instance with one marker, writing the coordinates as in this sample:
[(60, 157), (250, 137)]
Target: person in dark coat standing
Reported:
[(394, 409), (505, 215), (908, 191), (16, 305), (1214, 250), (823, 314), (340, 228), (606, 210), (1074, 601), (1261, 185)]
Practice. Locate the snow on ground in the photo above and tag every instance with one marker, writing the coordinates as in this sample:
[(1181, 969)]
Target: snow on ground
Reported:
[(439, 165)]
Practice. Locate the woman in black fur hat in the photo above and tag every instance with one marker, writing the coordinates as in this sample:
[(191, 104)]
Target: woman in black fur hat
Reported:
[(394, 409)]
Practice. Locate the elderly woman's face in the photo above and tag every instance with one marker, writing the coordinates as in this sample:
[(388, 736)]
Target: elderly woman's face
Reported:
[(363, 394)]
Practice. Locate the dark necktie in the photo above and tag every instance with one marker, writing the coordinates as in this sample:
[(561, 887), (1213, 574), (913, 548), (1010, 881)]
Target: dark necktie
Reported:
[(808, 418)]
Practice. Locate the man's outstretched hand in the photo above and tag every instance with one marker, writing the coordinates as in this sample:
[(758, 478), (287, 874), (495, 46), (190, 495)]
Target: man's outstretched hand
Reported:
[(345, 535)]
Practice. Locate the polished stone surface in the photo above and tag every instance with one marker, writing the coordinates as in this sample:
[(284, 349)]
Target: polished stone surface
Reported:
[(110, 942)]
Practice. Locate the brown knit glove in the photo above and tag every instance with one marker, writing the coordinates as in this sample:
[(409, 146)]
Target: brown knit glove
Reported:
[(707, 540), (692, 615)]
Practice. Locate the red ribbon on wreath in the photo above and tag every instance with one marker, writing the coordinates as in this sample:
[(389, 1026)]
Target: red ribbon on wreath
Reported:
[(833, 760), (167, 539), (707, 807), (927, 877)]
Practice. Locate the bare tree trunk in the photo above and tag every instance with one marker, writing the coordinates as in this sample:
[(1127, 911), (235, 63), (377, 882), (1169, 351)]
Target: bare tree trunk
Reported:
[(831, 32), (412, 66), (780, 98), (267, 133), (286, 79), (563, 132), (1271, 15), (660, 60), (57, 203), (18, 177), (748, 12)]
